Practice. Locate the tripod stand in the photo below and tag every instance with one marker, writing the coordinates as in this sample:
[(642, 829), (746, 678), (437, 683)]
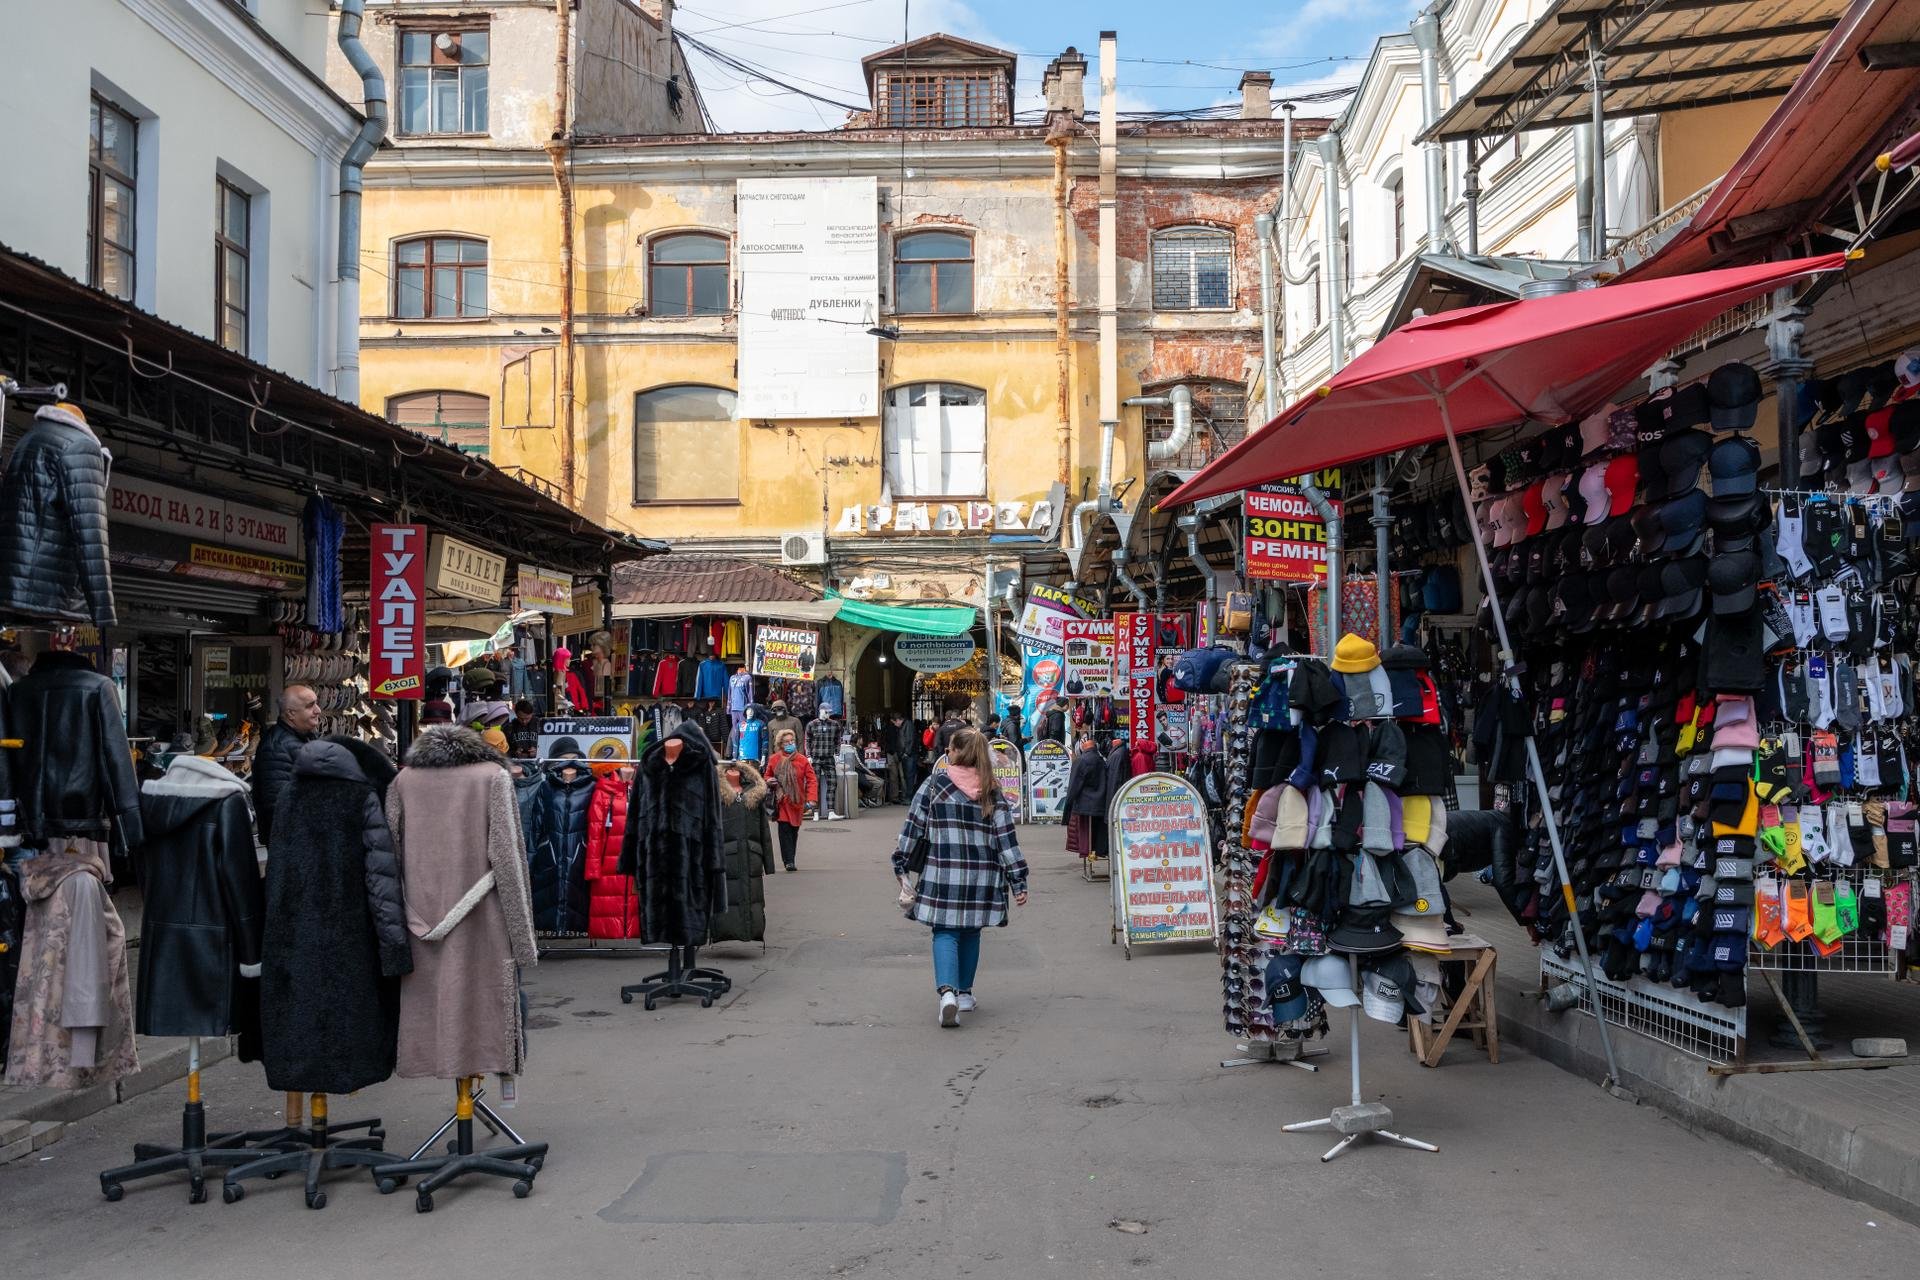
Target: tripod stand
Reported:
[(1358, 1119), (323, 1152), (521, 1161), (681, 978)]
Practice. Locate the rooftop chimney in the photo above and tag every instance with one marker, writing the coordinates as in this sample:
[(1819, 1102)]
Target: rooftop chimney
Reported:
[(1064, 83), (1256, 95)]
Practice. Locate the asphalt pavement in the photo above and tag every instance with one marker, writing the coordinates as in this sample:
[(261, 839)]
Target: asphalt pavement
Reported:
[(818, 1123)]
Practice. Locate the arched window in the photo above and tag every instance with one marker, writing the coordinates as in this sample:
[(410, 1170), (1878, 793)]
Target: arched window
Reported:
[(933, 273), (686, 445), (1219, 423), (936, 441), (1192, 269), (687, 275), (458, 418), (439, 278), (1397, 207)]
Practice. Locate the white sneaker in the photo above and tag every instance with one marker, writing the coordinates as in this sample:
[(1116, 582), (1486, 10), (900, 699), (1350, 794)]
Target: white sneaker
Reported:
[(836, 817), (949, 1009), (967, 1004)]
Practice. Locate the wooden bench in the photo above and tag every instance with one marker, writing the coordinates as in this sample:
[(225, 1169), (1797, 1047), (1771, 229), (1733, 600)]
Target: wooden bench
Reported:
[(1473, 1011)]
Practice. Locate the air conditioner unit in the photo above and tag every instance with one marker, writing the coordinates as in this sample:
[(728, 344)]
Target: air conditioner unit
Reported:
[(803, 548)]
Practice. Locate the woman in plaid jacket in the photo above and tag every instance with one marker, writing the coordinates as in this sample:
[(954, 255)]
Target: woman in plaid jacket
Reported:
[(959, 832)]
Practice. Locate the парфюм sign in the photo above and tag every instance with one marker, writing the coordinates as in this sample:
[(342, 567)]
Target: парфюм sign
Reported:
[(545, 590), (809, 292), (785, 653), (398, 666), (457, 568), (148, 504), (1286, 540)]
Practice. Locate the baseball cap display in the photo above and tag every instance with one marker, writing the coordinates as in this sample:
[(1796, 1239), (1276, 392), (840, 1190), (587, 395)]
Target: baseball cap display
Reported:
[(1733, 395), (1332, 977), (1734, 466)]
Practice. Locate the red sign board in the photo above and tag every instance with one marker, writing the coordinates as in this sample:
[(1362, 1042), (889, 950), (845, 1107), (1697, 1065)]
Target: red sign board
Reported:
[(1286, 541), (399, 604), (1137, 651)]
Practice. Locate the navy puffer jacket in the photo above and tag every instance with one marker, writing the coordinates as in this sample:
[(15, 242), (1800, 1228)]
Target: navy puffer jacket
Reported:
[(557, 853)]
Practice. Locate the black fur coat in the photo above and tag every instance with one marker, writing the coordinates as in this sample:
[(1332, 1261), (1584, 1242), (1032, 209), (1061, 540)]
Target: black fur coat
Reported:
[(673, 845), (336, 938)]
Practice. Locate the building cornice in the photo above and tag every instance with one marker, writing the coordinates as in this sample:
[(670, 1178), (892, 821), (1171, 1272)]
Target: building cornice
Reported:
[(230, 45)]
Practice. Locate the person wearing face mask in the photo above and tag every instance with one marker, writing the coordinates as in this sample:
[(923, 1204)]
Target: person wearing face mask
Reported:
[(797, 786)]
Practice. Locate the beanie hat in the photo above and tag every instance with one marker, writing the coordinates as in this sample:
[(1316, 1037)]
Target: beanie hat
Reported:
[(1291, 822), (1355, 654), (1377, 821), (495, 739)]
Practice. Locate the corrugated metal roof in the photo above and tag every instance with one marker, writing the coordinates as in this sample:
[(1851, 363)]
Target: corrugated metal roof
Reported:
[(1661, 55), (703, 581)]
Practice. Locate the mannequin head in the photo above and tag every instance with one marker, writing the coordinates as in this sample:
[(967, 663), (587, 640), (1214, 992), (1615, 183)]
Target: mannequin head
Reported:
[(672, 748)]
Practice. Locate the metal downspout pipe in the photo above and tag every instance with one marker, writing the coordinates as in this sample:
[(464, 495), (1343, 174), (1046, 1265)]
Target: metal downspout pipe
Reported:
[(1181, 400), (1337, 348), (1426, 35), (1120, 558), (373, 92)]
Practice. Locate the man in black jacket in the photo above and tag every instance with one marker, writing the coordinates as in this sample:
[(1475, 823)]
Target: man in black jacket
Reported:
[(273, 759)]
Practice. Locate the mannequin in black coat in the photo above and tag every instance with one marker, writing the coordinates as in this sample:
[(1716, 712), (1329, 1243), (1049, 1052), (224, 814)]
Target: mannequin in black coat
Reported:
[(336, 941), (1119, 766), (673, 846)]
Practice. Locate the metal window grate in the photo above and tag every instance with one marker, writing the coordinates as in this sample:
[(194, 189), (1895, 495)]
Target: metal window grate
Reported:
[(1219, 423), (1657, 1011), (1192, 270), (941, 100)]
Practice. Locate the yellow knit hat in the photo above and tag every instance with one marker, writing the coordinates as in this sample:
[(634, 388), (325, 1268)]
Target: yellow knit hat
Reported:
[(495, 739), (1355, 655)]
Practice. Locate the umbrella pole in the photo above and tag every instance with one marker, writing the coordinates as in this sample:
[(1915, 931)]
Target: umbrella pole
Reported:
[(1539, 776)]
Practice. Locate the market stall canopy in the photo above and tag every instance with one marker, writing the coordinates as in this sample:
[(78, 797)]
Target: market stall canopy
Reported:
[(684, 586), (1850, 104), (907, 619), (1661, 55), (1550, 360)]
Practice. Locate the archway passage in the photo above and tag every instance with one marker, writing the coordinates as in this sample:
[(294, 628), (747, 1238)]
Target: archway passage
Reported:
[(881, 682)]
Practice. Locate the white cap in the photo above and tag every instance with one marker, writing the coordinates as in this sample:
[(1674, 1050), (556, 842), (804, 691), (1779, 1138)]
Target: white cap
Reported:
[(1331, 977), (1383, 1001)]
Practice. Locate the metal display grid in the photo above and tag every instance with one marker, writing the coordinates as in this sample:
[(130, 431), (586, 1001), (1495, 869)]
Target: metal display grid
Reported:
[(1657, 1011), (1856, 954)]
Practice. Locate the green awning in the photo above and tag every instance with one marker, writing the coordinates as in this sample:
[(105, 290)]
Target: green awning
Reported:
[(922, 620)]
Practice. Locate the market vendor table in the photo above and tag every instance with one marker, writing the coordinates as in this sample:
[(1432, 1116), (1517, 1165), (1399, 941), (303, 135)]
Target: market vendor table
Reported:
[(1472, 1011)]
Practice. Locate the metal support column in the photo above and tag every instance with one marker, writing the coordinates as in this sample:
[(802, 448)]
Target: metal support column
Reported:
[(1597, 59), (1789, 369), (1381, 522), (1472, 193)]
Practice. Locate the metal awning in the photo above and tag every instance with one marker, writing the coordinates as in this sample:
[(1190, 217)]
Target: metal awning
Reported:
[(1659, 55), (1856, 99), (1446, 282)]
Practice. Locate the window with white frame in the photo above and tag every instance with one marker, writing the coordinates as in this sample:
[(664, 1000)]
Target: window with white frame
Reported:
[(1192, 269), (443, 81), (936, 441), (232, 265), (111, 160)]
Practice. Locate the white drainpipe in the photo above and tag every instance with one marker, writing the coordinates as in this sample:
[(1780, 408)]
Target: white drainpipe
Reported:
[(1426, 34), (1181, 398), (373, 91)]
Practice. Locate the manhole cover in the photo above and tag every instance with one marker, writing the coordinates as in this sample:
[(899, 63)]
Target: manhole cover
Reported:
[(748, 1187)]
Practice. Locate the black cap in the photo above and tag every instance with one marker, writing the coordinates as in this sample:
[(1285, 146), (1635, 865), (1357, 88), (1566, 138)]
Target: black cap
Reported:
[(1881, 383), (1681, 584), (1733, 517), (1623, 592), (1681, 455), (1734, 464), (1850, 388), (1735, 577), (1845, 440), (1682, 519), (1905, 422), (1733, 391)]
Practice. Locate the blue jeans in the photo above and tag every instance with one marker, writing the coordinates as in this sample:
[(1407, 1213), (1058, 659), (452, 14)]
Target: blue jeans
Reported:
[(956, 954)]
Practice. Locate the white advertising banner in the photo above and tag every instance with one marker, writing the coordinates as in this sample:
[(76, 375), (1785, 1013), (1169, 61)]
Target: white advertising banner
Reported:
[(809, 291)]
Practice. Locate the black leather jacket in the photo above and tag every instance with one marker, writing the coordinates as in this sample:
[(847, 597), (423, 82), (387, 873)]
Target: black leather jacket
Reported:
[(272, 771), (53, 523), (73, 773), (205, 907)]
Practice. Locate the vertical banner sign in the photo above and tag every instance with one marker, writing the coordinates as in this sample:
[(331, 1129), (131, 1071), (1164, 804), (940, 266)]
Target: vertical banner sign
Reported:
[(810, 293), (398, 667), (1286, 541), (785, 653), (1139, 678), (1162, 868), (1009, 770), (1040, 680), (1048, 765), (1089, 657)]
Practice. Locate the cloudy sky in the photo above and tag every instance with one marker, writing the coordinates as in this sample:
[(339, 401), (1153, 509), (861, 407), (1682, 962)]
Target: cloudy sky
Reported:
[(1171, 56)]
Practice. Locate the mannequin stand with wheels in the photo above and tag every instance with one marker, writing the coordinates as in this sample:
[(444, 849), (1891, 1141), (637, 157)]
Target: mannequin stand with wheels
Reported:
[(681, 978), (195, 1154), (294, 1133), (1357, 1119), (520, 1162), (323, 1153)]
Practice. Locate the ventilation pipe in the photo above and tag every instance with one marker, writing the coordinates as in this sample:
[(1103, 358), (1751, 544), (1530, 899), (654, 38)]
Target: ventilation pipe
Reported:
[(1181, 400), (1109, 272), (1120, 557), (1583, 167), (1426, 35), (373, 93)]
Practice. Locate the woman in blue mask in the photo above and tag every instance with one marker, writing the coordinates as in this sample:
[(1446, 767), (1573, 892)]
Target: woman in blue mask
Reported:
[(797, 786)]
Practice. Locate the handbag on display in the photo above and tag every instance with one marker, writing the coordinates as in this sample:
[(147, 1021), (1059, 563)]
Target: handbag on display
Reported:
[(1236, 613)]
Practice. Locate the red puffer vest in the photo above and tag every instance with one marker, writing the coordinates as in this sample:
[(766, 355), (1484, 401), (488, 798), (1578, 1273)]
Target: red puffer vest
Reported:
[(613, 909)]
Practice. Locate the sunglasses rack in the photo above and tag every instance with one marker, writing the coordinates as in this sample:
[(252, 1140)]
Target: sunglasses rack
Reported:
[(1243, 967)]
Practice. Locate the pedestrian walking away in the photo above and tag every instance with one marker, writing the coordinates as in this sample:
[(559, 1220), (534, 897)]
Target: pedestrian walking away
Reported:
[(959, 838), (796, 786)]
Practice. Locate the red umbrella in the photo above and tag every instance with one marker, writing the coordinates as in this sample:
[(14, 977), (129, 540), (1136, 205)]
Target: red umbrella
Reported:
[(1552, 360)]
